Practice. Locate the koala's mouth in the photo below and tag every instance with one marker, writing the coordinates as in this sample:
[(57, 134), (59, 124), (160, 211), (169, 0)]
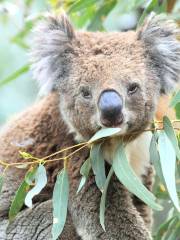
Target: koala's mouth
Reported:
[(124, 126)]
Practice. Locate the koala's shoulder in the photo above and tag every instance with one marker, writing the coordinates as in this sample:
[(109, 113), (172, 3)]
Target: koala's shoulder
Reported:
[(35, 130)]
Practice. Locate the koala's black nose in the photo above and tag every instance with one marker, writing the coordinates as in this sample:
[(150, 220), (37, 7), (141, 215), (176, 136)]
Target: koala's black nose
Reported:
[(110, 105)]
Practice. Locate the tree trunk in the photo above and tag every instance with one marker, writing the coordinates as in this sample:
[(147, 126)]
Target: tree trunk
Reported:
[(35, 224)]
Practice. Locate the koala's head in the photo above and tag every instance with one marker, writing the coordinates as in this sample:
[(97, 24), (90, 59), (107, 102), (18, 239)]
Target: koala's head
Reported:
[(107, 79)]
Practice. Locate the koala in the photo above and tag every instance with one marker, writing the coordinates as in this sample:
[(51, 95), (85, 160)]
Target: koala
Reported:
[(91, 80)]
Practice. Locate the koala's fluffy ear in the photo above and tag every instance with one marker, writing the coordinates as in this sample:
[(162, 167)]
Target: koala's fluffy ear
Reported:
[(50, 51), (160, 37)]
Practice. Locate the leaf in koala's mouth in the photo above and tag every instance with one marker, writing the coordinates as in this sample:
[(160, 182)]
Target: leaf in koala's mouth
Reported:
[(104, 132)]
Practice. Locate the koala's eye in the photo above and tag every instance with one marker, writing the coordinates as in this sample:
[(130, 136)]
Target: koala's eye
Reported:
[(86, 93), (132, 88)]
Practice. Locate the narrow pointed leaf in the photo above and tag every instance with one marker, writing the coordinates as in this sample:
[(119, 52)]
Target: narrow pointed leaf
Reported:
[(168, 128), (154, 6), (103, 199), (1, 183), (104, 132), (25, 155), (163, 229), (81, 4), (171, 232), (30, 178), (15, 75), (19, 197), (60, 203), (97, 162), (168, 164), (155, 159), (128, 178), (175, 100), (22, 166), (85, 169), (40, 183), (82, 183)]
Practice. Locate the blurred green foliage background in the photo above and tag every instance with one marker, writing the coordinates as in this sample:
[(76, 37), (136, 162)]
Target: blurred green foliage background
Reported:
[(17, 18)]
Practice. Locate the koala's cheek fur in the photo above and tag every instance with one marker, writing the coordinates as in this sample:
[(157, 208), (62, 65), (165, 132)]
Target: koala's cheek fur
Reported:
[(82, 121)]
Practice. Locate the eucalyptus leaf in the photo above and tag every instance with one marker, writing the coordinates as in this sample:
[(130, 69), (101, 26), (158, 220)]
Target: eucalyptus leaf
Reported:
[(175, 232), (168, 128), (128, 178), (96, 22), (168, 164), (40, 183), (153, 6), (85, 169), (175, 100), (103, 198), (30, 178), (177, 110), (104, 132), (163, 229), (22, 166), (98, 166), (171, 232), (1, 183), (15, 75), (155, 159), (80, 5), (18, 200), (60, 203), (25, 155)]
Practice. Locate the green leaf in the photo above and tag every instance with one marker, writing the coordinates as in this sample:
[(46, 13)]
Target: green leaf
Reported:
[(25, 155), (175, 100), (153, 6), (85, 169), (15, 75), (104, 132), (128, 178), (174, 232), (1, 183), (19, 197), (171, 232), (30, 178), (97, 162), (168, 128), (177, 110), (80, 5), (96, 20), (40, 183), (22, 166), (103, 198), (60, 203), (163, 229), (168, 164), (155, 159)]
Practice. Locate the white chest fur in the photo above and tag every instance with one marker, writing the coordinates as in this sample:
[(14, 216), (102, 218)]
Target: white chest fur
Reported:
[(137, 152)]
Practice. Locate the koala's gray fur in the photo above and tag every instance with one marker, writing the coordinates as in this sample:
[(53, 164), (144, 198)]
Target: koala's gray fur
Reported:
[(66, 62)]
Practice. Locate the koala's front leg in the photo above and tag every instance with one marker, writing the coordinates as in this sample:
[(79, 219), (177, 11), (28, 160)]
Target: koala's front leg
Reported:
[(122, 220)]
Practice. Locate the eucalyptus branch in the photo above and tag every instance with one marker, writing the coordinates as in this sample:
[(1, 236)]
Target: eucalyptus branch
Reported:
[(79, 147)]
